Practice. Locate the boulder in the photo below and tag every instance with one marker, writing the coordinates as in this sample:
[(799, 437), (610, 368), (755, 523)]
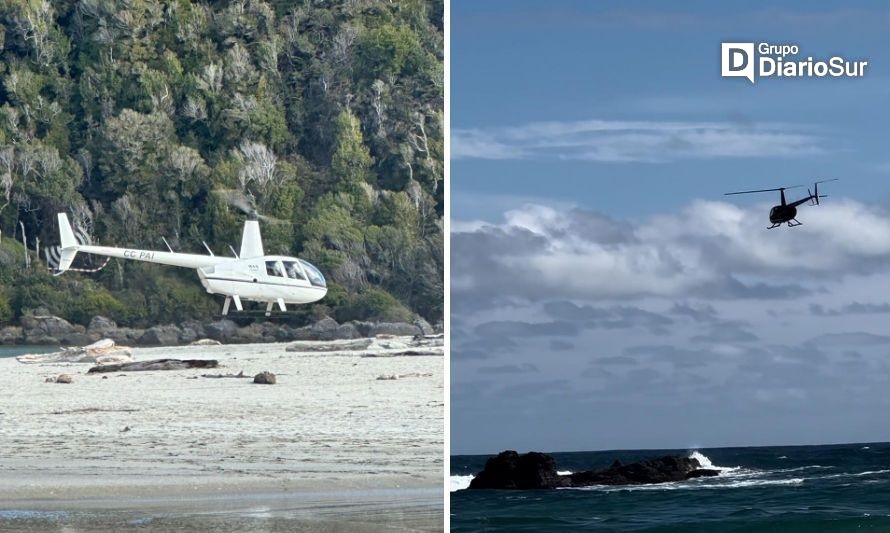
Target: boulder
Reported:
[(125, 335), (167, 335), (46, 326), (326, 329), (11, 335), (398, 329), (187, 335), (63, 378), (347, 331), (221, 329), (195, 326), (424, 326), (101, 325), (76, 338), (511, 471), (250, 334), (264, 378)]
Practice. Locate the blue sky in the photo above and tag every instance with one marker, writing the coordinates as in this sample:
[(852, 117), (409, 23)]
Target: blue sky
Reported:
[(600, 279), (515, 63)]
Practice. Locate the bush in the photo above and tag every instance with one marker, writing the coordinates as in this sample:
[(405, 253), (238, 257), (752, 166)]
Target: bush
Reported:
[(373, 304)]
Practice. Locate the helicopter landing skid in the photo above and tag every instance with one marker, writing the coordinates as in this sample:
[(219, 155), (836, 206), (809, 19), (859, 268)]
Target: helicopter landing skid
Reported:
[(793, 223)]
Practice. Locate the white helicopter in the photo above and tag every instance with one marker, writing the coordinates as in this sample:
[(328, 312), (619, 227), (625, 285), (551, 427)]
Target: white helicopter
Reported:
[(251, 275)]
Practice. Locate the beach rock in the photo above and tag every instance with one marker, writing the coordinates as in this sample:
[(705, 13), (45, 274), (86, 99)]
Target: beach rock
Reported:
[(510, 470), (187, 335), (195, 326), (264, 378), (47, 326), (101, 325), (252, 333), (221, 329), (167, 335), (347, 331), (63, 378), (424, 326), (76, 338), (125, 335), (326, 329), (398, 329), (11, 335)]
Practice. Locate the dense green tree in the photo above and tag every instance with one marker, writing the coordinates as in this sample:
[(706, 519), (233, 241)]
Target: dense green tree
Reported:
[(142, 119)]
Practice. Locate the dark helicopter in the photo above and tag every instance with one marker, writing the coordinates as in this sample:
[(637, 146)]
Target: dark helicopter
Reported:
[(785, 212)]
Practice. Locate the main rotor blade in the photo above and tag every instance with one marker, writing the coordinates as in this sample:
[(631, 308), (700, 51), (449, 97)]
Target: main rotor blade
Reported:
[(826, 181), (763, 190)]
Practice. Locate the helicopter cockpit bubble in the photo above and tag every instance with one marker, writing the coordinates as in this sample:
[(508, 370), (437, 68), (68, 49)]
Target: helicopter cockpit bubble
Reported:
[(315, 277)]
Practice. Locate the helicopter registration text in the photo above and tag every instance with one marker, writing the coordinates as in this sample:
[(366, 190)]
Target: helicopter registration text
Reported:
[(139, 254)]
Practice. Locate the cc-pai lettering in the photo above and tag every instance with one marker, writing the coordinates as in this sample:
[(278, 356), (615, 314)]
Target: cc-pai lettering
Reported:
[(139, 254)]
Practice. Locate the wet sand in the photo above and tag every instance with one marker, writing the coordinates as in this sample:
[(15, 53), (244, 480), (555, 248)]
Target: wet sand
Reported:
[(329, 447)]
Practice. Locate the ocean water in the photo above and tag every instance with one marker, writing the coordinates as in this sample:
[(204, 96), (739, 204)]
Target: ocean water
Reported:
[(787, 488), (13, 351)]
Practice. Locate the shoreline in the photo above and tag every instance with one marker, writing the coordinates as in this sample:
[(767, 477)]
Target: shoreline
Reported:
[(332, 440)]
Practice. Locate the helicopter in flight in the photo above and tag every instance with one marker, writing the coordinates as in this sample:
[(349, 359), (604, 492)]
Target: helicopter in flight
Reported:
[(250, 275), (785, 212)]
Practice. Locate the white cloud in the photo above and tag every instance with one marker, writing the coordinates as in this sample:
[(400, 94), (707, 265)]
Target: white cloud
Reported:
[(709, 248), (633, 141)]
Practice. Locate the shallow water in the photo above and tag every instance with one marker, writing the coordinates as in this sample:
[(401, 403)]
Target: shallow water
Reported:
[(15, 351), (789, 488)]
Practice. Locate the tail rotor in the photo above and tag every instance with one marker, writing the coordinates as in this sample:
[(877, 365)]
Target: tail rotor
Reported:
[(814, 196)]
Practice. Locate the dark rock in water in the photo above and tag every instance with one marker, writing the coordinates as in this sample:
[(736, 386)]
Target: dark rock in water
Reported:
[(534, 470), (156, 364), (221, 329), (509, 470), (264, 378), (659, 470)]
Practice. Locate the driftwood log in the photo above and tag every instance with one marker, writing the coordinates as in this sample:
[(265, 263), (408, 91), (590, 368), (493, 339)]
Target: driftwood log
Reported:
[(156, 364)]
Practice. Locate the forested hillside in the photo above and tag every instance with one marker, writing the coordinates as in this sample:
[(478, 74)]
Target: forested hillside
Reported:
[(141, 118)]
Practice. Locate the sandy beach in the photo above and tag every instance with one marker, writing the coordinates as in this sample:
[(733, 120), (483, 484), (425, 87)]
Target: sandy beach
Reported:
[(329, 446)]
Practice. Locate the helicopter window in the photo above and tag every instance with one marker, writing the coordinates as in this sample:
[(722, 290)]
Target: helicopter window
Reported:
[(315, 276), (293, 271), (273, 268)]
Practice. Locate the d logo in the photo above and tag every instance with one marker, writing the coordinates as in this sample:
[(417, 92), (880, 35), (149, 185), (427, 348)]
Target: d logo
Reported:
[(737, 60)]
